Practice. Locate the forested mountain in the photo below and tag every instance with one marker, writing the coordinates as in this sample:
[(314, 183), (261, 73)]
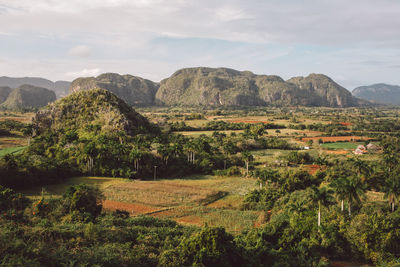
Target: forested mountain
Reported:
[(59, 87), (379, 93), (133, 90), (222, 86), (28, 97), (97, 108)]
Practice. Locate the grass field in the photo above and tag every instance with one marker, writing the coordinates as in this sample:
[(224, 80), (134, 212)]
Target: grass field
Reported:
[(11, 150), (342, 145)]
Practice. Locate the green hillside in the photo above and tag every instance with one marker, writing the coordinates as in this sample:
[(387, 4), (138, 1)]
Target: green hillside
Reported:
[(91, 108), (28, 97)]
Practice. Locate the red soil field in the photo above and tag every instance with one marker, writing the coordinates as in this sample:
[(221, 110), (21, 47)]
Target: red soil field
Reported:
[(336, 138), (337, 152), (345, 123), (312, 169)]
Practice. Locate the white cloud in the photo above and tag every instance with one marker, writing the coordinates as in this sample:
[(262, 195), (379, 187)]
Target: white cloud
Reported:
[(84, 73), (81, 51)]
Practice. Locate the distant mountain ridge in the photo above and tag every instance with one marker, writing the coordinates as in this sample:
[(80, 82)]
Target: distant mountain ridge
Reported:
[(379, 93), (223, 86), (27, 97), (59, 87)]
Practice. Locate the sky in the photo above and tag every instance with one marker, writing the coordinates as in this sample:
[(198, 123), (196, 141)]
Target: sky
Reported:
[(354, 42)]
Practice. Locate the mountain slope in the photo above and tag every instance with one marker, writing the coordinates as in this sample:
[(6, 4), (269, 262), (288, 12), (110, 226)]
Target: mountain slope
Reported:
[(28, 97), (91, 108), (227, 87), (4, 92), (323, 91), (59, 87), (133, 90), (379, 93)]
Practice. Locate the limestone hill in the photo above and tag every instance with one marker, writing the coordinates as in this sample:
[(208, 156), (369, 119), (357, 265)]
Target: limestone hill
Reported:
[(28, 97), (91, 108), (133, 90), (227, 87), (59, 87), (379, 93)]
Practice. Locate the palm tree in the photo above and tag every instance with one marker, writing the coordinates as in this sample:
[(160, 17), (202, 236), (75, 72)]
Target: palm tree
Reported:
[(354, 190), (392, 191), (361, 167), (338, 186), (247, 157), (321, 195)]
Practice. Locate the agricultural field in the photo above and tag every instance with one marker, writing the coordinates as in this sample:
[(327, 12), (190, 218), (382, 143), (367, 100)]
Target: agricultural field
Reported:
[(194, 200), (342, 145)]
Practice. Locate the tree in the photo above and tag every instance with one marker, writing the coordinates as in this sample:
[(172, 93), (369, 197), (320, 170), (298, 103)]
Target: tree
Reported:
[(84, 200), (354, 190), (392, 191), (338, 186), (247, 157), (361, 167), (321, 196)]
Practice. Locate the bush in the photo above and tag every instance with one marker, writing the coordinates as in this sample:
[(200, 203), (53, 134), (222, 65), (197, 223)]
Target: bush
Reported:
[(83, 202)]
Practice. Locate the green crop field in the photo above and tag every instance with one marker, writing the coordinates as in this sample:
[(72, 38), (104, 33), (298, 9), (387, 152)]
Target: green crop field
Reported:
[(342, 145)]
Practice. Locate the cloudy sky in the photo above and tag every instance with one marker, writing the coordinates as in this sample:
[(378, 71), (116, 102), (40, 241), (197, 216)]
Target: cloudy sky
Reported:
[(355, 42)]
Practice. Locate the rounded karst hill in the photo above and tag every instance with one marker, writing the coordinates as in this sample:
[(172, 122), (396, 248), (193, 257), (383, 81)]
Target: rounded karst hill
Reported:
[(28, 97), (91, 108), (379, 93), (133, 90), (323, 91), (209, 87)]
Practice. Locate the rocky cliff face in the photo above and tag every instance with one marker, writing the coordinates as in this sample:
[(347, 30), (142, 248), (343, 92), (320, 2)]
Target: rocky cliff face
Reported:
[(28, 97), (227, 87), (133, 90), (379, 93), (323, 91)]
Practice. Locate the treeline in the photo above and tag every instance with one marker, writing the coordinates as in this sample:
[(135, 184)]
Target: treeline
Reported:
[(90, 151), (222, 126), (7, 126), (330, 129)]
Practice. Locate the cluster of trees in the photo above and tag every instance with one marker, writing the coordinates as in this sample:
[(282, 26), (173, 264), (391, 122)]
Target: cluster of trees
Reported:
[(57, 154), (328, 213), (330, 129), (382, 125), (7, 126), (223, 126)]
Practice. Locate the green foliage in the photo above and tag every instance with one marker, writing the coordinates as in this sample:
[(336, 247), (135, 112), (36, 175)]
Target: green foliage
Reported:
[(209, 247), (83, 202)]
